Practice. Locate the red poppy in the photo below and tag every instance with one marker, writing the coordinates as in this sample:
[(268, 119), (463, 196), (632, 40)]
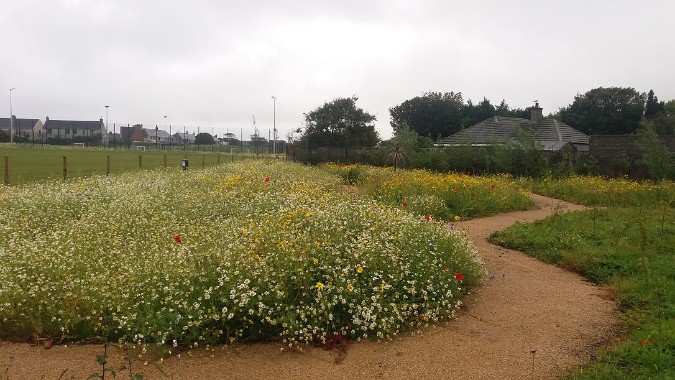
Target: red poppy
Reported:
[(404, 204), (459, 276), (427, 218), (267, 179), (177, 239)]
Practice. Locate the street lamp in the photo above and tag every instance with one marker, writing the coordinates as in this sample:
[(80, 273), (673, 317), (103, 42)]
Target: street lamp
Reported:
[(106, 124), (170, 137), (274, 144), (11, 117)]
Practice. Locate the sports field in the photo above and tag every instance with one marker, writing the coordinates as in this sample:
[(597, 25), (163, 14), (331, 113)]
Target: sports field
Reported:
[(32, 163)]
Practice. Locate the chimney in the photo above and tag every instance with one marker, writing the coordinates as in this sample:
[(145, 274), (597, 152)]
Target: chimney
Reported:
[(535, 112)]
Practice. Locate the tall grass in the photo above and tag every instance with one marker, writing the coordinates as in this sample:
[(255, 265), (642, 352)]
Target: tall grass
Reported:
[(629, 249)]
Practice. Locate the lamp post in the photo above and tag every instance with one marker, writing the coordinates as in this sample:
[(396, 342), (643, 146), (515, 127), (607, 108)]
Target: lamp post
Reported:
[(274, 144), (106, 124), (156, 141), (11, 117), (169, 132)]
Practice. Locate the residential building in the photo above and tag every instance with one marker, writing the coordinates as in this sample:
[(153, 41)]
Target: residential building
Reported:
[(92, 132), (550, 134), (24, 129)]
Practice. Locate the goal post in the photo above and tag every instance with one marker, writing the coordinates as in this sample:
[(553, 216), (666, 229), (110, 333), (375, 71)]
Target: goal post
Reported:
[(140, 147), (78, 145)]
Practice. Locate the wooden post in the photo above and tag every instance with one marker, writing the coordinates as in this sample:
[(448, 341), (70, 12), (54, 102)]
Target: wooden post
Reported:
[(218, 158), (203, 161), (6, 176), (107, 166), (65, 167), (140, 161), (165, 161)]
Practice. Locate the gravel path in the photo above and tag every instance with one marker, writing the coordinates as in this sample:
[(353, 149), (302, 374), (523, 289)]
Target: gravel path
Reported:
[(527, 307)]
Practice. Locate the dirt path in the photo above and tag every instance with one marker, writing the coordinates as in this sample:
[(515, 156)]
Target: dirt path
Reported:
[(526, 306)]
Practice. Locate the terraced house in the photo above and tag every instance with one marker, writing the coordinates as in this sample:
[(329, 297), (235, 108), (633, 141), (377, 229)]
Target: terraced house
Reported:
[(76, 131), (24, 129)]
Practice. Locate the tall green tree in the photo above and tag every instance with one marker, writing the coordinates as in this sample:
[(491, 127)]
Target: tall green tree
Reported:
[(610, 111), (653, 107), (434, 114), (339, 123)]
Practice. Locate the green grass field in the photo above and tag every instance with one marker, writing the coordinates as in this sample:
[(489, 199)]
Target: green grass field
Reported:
[(32, 163)]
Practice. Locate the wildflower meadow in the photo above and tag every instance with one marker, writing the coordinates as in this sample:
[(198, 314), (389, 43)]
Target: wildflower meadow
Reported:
[(443, 196), (246, 251)]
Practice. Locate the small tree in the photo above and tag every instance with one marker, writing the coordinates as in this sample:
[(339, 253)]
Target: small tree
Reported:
[(655, 156), (204, 139)]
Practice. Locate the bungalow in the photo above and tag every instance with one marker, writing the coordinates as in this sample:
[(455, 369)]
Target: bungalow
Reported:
[(552, 135), (76, 130)]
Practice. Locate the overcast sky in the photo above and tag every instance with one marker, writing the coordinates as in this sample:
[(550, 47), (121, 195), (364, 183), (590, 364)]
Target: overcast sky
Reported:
[(215, 64)]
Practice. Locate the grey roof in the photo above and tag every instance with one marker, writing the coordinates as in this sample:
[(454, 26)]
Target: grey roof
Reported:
[(550, 133), (19, 124), (161, 134), (74, 124)]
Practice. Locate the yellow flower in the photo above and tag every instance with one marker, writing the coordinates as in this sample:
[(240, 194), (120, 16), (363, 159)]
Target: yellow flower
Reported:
[(350, 287), (315, 260), (319, 286), (457, 218), (359, 270)]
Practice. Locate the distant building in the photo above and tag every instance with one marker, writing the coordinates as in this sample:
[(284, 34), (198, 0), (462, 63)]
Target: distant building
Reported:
[(550, 134), (183, 138), (24, 129), (93, 132)]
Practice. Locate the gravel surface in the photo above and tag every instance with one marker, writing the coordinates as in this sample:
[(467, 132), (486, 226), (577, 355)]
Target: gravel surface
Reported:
[(530, 321)]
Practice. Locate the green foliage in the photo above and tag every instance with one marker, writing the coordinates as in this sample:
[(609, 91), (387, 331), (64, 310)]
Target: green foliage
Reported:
[(339, 123), (631, 250), (655, 155), (204, 139), (434, 114), (605, 111)]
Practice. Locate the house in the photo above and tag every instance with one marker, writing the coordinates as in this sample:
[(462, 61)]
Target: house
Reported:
[(24, 129), (156, 135), (552, 135), (76, 131), (183, 138)]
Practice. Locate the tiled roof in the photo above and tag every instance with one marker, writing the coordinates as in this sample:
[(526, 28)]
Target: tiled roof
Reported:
[(550, 133), (19, 124), (74, 124)]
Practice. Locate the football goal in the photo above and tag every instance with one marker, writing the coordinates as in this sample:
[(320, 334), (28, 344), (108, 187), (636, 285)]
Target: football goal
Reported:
[(140, 147), (78, 145)]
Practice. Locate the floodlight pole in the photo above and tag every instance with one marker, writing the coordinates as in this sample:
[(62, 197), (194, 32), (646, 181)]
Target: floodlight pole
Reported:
[(11, 118), (274, 143), (106, 124)]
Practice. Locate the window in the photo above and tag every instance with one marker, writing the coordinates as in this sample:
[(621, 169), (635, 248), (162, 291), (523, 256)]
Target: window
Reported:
[(67, 131)]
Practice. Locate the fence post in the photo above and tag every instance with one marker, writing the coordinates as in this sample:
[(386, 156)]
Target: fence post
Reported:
[(203, 161), (165, 161), (6, 176), (140, 161), (218, 158), (65, 167), (107, 165)]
